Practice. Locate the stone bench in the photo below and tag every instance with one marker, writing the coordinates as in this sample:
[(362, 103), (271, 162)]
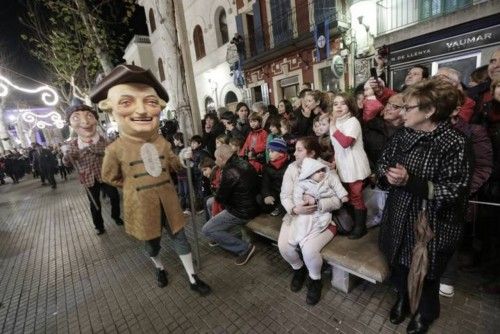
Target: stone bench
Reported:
[(350, 259)]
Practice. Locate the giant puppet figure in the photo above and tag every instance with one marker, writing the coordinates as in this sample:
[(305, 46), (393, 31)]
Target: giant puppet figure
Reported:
[(86, 153), (140, 161)]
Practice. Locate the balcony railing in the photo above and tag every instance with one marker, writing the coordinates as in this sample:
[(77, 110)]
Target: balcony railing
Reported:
[(397, 14), (286, 30)]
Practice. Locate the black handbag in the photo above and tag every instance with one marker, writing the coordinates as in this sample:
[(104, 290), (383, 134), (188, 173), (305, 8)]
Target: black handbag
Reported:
[(343, 220)]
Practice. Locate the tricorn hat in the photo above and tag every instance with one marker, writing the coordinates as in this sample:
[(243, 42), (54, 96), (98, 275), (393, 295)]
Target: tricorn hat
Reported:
[(123, 74)]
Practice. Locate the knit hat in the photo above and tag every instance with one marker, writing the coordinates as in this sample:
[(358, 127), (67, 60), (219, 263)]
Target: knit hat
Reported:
[(278, 145)]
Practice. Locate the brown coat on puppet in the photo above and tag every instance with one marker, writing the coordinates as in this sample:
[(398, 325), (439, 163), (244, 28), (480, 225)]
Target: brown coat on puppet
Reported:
[(140, 160), (143, 194)]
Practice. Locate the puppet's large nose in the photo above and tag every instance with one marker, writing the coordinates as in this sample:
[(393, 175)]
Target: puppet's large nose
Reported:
[(140, 110)]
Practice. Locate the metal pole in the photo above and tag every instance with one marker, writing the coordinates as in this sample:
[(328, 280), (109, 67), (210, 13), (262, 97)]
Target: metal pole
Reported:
[(192, 218)]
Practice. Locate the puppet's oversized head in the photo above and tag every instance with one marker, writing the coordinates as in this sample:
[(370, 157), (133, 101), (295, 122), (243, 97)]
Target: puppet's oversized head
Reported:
[(83, 120), (134, 97)]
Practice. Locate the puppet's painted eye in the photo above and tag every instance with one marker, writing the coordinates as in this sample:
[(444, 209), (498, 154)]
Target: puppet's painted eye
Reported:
[(125, 103)]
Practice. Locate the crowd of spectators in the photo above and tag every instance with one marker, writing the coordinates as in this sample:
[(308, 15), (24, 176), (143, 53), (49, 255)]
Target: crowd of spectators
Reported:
[(432, 145)]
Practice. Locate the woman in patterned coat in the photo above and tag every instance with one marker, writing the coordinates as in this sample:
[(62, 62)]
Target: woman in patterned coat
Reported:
[(426, 160)]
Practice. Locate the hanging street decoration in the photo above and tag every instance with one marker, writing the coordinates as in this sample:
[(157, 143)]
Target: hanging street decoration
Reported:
[(47, 94), (41, 121)]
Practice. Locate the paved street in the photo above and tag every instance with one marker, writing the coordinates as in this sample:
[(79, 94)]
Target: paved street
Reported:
[(58, 276)]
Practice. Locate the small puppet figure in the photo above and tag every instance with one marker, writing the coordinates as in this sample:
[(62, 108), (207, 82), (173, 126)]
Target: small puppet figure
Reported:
[(86, 153), (140, 161)]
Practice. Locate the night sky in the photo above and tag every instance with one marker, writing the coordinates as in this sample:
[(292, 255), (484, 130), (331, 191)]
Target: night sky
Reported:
[(14, 53)]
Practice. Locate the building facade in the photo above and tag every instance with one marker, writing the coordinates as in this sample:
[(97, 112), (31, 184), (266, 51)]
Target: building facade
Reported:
[(138, 52), (281, 53), (211, 26), (460, 34)]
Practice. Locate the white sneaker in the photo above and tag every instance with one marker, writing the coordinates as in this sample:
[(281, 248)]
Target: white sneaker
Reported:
[(446, 290), (187, 212)]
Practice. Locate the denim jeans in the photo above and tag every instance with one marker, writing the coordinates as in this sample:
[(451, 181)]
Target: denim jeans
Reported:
[(209, 202), (218, 229)]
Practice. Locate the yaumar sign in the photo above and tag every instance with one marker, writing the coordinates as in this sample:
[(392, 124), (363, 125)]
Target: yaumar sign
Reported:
[(466, 41)]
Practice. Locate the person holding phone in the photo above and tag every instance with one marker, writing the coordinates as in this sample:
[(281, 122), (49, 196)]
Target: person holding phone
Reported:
[(381, 92), (312, 260)]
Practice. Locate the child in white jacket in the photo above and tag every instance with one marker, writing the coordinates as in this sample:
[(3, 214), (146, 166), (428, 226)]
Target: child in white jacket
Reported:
[(316, 181)]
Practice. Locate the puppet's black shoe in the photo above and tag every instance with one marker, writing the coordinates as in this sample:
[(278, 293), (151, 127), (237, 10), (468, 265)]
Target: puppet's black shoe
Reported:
[(101, 231), (119, 221), (200, 287), (161, 278)]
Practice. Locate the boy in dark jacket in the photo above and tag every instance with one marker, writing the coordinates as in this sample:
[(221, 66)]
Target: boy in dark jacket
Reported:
[(272, 176), (198, 154)]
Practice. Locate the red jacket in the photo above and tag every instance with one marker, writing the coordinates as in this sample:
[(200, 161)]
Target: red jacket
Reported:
[(385, 95), (254, 148), (215, 183), (371, 109), (467, 109)]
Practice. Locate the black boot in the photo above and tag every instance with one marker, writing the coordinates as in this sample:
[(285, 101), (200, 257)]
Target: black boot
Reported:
[(314, 291), (400, 310), (359, 229), (299, 276), (201, 287), (161, 278), (418, 325)]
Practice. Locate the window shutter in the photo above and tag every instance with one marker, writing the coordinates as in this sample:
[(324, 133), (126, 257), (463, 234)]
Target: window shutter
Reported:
[(257, 26)]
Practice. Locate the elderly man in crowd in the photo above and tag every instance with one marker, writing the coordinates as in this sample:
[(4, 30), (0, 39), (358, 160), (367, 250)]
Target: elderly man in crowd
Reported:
[(237, 193), (453, 76)]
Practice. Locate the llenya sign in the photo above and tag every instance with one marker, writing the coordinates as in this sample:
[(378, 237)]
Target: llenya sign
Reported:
[(466, 41)]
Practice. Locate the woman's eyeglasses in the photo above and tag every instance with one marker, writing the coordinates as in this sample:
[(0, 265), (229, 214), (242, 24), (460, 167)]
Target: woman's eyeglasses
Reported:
[(406, 108), (394, 106)]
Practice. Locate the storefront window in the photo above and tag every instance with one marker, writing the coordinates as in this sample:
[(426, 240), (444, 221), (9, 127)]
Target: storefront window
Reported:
[(328, 80), (290, 92), (257, 94)]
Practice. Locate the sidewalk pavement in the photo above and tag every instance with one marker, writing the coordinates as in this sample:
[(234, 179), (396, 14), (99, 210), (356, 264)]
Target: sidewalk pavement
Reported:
[(58, 276)]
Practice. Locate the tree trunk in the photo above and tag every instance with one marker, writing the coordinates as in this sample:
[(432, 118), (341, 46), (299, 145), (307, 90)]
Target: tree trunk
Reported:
[(93, 33), (175, 82)]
